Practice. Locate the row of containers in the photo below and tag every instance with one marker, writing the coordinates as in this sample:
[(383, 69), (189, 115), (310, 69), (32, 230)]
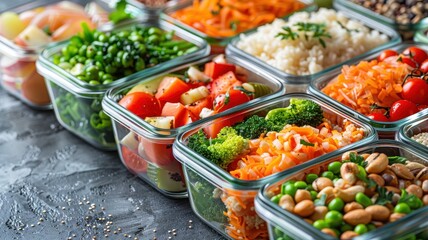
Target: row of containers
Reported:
[(275, 139)]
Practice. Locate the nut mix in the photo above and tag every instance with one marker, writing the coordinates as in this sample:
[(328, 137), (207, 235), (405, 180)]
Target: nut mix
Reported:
[(363, 192), (402, 11)]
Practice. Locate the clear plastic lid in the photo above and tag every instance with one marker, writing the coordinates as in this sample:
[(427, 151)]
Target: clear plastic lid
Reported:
[(66, 80), (297, 228)]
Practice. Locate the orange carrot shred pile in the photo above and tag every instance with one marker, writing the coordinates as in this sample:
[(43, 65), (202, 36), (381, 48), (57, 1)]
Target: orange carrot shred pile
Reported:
[(225, 18)]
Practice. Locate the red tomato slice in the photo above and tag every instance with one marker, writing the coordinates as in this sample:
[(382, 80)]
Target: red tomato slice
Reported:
[(377, 116), (158, 153), (415, 53), (215, 70), (133, 161), (214, 128), (230, 99), (223, 83), (181, 114), (185, 118), (141, 104), (386, 54), (170, 89), (196, 107)]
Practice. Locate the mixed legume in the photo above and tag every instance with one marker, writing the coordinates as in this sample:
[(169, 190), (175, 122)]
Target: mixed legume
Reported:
[(421, 138), (363, 192)]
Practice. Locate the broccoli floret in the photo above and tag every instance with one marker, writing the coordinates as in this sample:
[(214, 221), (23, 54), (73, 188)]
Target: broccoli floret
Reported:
[(300, 112), (221, 150), (255, 126)]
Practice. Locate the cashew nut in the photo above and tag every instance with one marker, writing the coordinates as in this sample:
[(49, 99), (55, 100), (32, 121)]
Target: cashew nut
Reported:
[(348, 172), (348, 195), (286, 202), (321, 183)]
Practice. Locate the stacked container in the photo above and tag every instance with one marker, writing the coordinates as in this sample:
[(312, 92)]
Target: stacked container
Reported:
[(17, 64)]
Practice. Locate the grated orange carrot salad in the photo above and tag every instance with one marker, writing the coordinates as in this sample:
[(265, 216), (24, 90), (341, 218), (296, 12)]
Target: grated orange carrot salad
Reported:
[(225, 18), (275, 152), (367, 83)]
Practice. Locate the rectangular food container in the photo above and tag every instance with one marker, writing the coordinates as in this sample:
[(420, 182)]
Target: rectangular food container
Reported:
[(214, 193), (300, 83), (150, 147), (154, 8), (410, 129), (407, 31), (384, 129), (218, 44), (77, 104), (286, 225), (18, 73)]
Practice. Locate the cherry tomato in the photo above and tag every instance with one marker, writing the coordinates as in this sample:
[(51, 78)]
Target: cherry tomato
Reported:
[(377, 116), (415, 90), (133, 161), (424, 66), (230, 99), (401, 109), (141, 104), (415, 53), (386, 54), (407, 60), (422, 107)]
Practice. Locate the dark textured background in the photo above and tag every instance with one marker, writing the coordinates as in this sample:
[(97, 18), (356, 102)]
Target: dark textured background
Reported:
[(50, 178)]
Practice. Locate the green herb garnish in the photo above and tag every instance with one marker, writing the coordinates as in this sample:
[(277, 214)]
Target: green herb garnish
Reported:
[(314, 30), (119, 14), (347, 29), (303, 142), (321, 201), (234, 25), (357, 159), (384, 196), (397, 159)]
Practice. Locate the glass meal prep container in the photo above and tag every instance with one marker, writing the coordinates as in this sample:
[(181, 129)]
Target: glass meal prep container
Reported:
[(155, 7), (403, 25), (277, 55), (18, 73), (421, 36), (226, 202), (218, 44), (414, 133), (77, 104), (147, 150), (384, 129), (286, 225)]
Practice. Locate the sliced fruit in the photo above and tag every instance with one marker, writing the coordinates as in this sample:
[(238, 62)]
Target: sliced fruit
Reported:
[(194, 95), (34, 89), (152, 85), (132, 161), (10, 25), (172, 181), (130, 141), (14, 67), (32, 36)]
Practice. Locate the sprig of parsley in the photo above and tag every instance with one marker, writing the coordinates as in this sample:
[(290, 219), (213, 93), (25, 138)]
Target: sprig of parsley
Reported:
[(119, 14), (314, 30)]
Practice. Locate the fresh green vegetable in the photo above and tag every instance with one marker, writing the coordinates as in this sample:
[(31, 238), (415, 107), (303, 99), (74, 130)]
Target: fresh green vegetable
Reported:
[(206, 198), (222, 150), (300, 112), (85, 117), (119, 14), (101, 58), (254, 126), (316, 31)]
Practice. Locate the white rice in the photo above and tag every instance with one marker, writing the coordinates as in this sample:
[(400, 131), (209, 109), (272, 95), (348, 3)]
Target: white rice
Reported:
[(303, 57)]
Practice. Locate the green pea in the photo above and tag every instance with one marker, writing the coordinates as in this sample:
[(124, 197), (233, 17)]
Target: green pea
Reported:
[(81, 59), (334, 167), (290, 189), (362, 199), (102, 38), (414, 203), (309, 188), (140, 65), (278, 232), (112, 49), (82, 50), (336, 204), (275, 199), (314, 195), (300, 185), (310, 178), (402, 208), (154, 30), (65, 65), (360, 229), (93, 82), (328, 174), (320, 224), (110, 69), (107, 81), (107, 77), (91, 52), (153, 39), (362, 172), (334, 218), (346, 227), (370, 227)]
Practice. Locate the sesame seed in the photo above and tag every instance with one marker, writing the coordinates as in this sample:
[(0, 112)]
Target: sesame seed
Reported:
[(38, 223), (169, 237), (175, 234), (119, 229), (80, 203), (138, 208), (32, 225), (109, 215), (190, 221), (63, 208), (115, 232), (74, 235), (169, 231), (190, 227), (135, 238), (103, 208), (106, 235), (41, 219), (43, 211), (62, 222), (154, 230), (125, 235), (69, 238), (174, 230)]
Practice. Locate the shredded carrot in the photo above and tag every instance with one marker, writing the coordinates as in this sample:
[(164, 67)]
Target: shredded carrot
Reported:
[(368, 83), (225, 18), (275, 152)]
